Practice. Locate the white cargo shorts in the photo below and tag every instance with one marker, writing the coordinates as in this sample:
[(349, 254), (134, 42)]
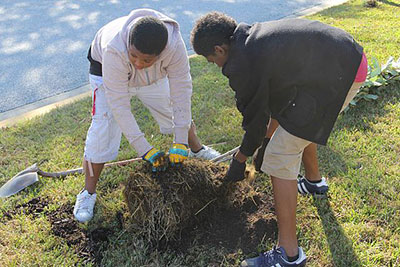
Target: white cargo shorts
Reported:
[(104, 135)]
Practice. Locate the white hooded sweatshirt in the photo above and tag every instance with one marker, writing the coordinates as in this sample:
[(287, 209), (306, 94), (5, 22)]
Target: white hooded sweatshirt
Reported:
[(110, 48)]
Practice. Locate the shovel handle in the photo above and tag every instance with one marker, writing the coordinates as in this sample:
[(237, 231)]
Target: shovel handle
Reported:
[(226, 154), (80, 170), (220, 158)]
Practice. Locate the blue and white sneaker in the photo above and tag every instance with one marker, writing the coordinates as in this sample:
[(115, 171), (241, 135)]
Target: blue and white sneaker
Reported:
[(276, 257), (306, 187)]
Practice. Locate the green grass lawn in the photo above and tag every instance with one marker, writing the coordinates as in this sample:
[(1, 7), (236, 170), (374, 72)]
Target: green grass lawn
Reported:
[(358, 225)]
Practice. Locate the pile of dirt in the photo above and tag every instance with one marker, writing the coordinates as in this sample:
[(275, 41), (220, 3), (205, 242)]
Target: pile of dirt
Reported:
[(194, 201), (243, 225), (161, 204)]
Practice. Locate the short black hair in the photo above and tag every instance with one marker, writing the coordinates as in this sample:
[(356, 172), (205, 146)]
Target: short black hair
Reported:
[(149, 35), (214, 28)]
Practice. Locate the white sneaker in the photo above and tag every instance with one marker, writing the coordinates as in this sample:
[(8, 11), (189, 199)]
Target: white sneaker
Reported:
[(205, 153), (83, 210)]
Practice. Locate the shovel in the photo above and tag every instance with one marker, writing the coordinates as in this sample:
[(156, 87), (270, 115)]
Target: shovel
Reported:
[(29, 176)]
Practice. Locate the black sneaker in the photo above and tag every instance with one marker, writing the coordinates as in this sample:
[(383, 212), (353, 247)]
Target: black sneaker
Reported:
[(306, 187), (276, 257)]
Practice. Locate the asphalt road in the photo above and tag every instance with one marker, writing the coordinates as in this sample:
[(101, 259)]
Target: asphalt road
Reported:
[(43, 43)]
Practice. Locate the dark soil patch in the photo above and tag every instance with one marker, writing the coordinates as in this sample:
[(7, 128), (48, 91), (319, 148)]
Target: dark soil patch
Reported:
[(241, 226), (87, 244), (34, 207)]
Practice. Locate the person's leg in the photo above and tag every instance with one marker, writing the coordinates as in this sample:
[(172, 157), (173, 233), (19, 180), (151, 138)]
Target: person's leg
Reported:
[(282, 160), (101, 145), (285, 197), (194, 141), (92, 175), (310, 162), (197, 150)]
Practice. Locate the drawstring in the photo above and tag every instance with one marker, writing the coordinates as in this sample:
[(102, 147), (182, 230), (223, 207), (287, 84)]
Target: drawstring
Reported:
[(90, 167)]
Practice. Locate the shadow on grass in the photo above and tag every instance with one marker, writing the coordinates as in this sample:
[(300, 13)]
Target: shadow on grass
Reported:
[(340, 246), (389, 3)]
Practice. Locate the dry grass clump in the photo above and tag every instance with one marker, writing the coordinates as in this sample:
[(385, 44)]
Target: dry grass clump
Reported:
[(163, 204)]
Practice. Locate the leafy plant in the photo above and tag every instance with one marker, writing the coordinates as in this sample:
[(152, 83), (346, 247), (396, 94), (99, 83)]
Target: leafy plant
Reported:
[(378, 76)]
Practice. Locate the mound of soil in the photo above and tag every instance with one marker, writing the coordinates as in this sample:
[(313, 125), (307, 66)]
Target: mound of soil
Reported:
[(161, 204), (195, 203)]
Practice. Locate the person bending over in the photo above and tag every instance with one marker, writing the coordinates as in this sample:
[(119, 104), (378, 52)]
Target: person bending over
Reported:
[(140, 55), (301, 73)]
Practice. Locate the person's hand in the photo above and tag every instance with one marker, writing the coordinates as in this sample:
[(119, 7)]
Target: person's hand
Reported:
[(157, 160), (236, 169), (259, 155), (177, 154)]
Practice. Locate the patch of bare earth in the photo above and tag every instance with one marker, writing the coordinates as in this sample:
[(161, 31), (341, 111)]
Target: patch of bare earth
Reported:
[(87, 244)]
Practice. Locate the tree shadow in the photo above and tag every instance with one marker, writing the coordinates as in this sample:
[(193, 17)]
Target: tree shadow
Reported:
[(389, 3), (340, 246)]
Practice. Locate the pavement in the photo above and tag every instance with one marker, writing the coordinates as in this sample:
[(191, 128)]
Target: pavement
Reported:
[(44, 43)]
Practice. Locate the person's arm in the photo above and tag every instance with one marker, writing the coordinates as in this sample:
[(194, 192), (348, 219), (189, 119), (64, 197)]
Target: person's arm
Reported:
[(256, 116), (180, 83), (255, 112), (115, 79)]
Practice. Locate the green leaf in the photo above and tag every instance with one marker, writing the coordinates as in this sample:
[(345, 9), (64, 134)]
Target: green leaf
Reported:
[(375, 68)]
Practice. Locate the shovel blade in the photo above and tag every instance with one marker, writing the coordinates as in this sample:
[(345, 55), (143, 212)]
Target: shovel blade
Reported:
[(17, 183)]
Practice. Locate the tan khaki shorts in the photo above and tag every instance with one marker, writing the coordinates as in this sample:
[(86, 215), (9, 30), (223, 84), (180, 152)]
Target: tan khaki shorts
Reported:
[(282, 157)]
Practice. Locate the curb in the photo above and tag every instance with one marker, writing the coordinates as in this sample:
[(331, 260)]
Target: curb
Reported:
[(41, 107)]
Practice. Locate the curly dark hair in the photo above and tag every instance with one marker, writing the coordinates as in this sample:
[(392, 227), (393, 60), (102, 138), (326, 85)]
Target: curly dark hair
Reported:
[(149, 35), (214, 28)]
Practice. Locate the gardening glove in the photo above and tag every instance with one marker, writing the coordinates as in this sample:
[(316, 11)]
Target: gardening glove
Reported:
[(177, 154), (259, 155), (157, 160), (236, 171)]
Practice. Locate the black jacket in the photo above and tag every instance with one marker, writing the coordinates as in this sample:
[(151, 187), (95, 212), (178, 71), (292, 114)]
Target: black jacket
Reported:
[(297, 71)]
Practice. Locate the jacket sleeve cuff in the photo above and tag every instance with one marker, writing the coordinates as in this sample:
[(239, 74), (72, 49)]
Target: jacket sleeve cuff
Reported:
[(181, 135), (249, 146), (141, 146)]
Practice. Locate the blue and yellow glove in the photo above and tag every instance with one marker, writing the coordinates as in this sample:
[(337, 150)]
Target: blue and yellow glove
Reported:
[(157, 159), (177, 154)]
